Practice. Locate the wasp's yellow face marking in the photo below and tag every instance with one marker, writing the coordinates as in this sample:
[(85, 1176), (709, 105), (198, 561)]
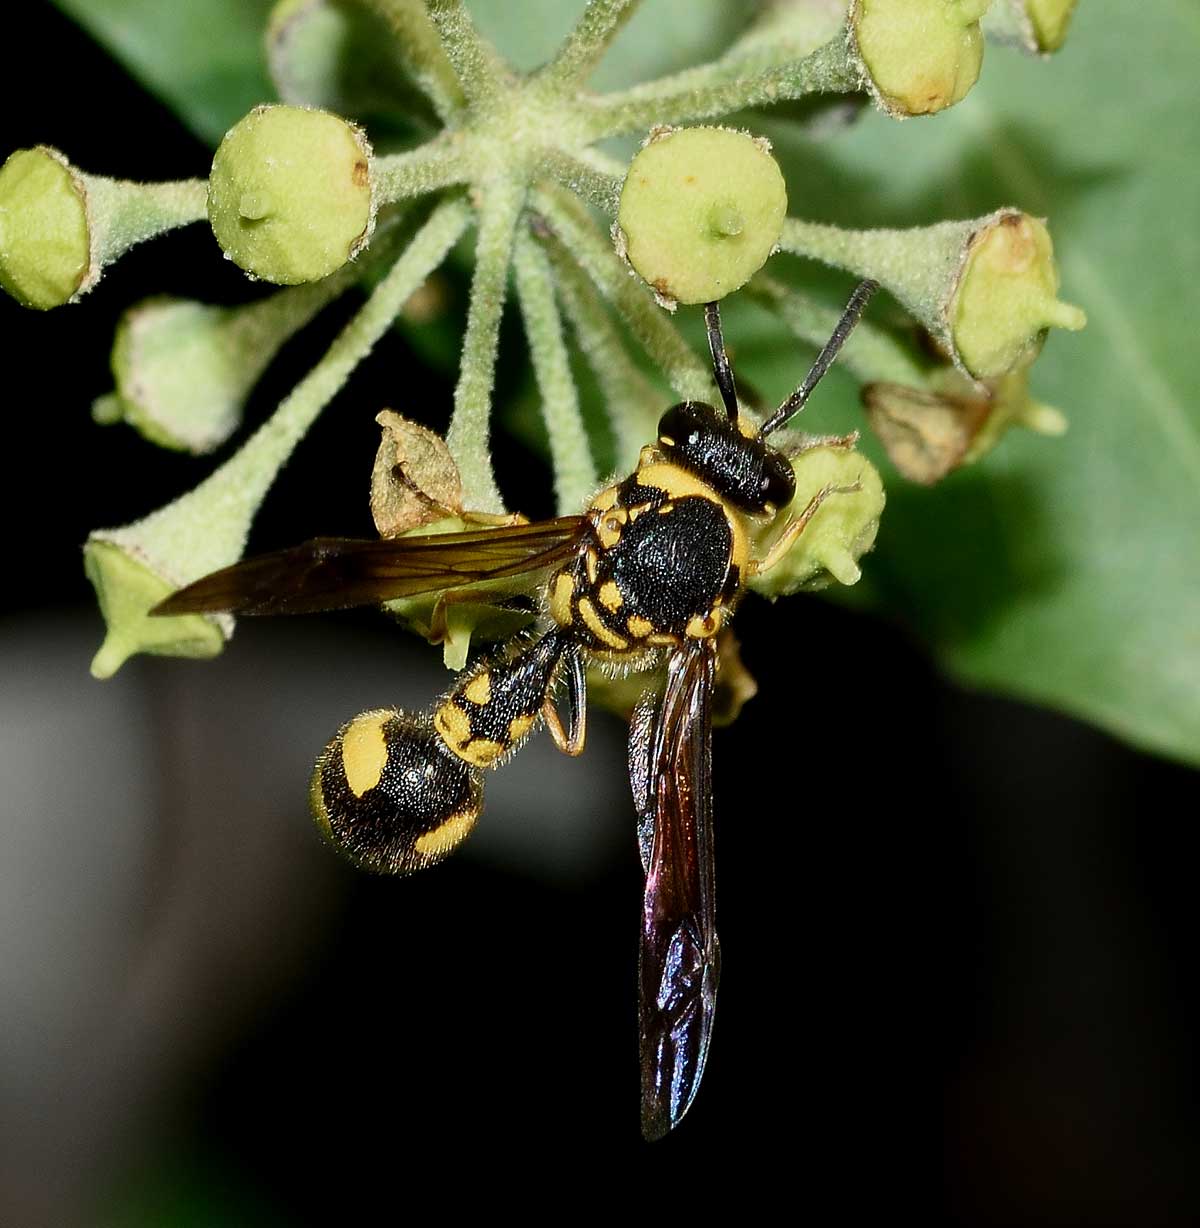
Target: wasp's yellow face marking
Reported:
[(364, 751), (560, 599), (518, 727), (479, 689), (610, 595), (453, 724), (639, 627), (592, 562), (591, 619), (450, 834)]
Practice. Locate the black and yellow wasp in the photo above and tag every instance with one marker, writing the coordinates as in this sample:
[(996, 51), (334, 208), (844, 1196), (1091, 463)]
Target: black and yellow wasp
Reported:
[(654, 567)]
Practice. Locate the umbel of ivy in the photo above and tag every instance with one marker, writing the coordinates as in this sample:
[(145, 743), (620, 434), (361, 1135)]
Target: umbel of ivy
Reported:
[(600, 254)]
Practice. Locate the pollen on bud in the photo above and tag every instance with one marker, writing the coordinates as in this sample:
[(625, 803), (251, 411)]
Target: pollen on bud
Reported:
[(45, 247), (127, 588), (842, 528), (920, 55), (1006, 297), (701, 210), (289, 196)]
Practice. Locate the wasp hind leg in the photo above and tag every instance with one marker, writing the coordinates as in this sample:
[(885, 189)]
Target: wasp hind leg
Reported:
[(570, 740)]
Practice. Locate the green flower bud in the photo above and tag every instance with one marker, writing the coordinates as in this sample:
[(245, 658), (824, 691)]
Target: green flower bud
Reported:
[(127, 588), (290, 197), (842, 528), (701, 210), (1050, 19), (59, 228), (184, 369), (45, 254), (1036, 26), (1006, 296), (920, 56), (985, 289)]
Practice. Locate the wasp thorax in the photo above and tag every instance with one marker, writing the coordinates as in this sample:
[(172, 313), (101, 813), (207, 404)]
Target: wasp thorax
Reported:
[(741, 468), (388, 794)]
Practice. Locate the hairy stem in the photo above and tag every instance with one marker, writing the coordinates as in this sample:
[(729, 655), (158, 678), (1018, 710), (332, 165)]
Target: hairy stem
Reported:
[(629, 397), (584, 47), (718, 88), (434, 165), (207, 528), (467, 437), (423, 53), (647, 321), (476, 65), (570, 452), (133, 212), (593, 177)]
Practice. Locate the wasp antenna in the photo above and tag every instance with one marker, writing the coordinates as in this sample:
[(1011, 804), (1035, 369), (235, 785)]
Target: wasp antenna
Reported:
[(721, 368), (845, 326)]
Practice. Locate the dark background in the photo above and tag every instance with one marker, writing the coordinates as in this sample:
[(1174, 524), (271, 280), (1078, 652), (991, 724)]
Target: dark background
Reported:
[(944, 916)]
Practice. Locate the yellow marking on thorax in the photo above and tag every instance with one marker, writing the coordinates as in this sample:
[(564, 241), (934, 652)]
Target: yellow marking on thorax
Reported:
[(364, 751), (604, 500), (560, 599), (701, 627), (449, 834), (639, 626), (610, 596), (591, 560), (592, 621), (608, 531), (518, 727), (679, 483), (479, 689)]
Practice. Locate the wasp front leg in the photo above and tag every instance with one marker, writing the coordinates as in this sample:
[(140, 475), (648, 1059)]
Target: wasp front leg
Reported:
[(787, 539)]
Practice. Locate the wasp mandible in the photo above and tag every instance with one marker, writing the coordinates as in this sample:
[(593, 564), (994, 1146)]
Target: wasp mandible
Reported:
[(652, 569)]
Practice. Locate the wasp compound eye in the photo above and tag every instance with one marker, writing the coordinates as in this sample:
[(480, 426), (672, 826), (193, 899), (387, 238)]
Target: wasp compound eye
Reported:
[(388, 795), (778, 480)]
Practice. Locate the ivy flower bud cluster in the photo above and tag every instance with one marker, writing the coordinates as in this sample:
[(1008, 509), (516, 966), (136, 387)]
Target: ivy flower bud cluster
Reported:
[(298, 196)]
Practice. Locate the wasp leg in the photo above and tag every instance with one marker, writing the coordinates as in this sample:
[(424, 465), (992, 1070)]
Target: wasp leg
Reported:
[(439, 627), (444, 511), (795, 527), (570, 740), (821, 441)]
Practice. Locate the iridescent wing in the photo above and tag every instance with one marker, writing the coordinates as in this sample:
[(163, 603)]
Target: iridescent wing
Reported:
[(334, 573), (671, 774)]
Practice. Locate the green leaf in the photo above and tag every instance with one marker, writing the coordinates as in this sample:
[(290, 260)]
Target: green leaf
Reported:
[(202, 57), (1064, 571)]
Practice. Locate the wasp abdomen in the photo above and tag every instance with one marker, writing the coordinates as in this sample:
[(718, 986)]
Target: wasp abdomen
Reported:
[(493, 708), (388, 794)]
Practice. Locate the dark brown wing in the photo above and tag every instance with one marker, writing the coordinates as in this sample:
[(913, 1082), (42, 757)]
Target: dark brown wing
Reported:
[(333, 573), (680, 955)]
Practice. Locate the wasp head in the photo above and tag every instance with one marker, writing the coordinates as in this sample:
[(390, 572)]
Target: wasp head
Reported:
[(744, 469)]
